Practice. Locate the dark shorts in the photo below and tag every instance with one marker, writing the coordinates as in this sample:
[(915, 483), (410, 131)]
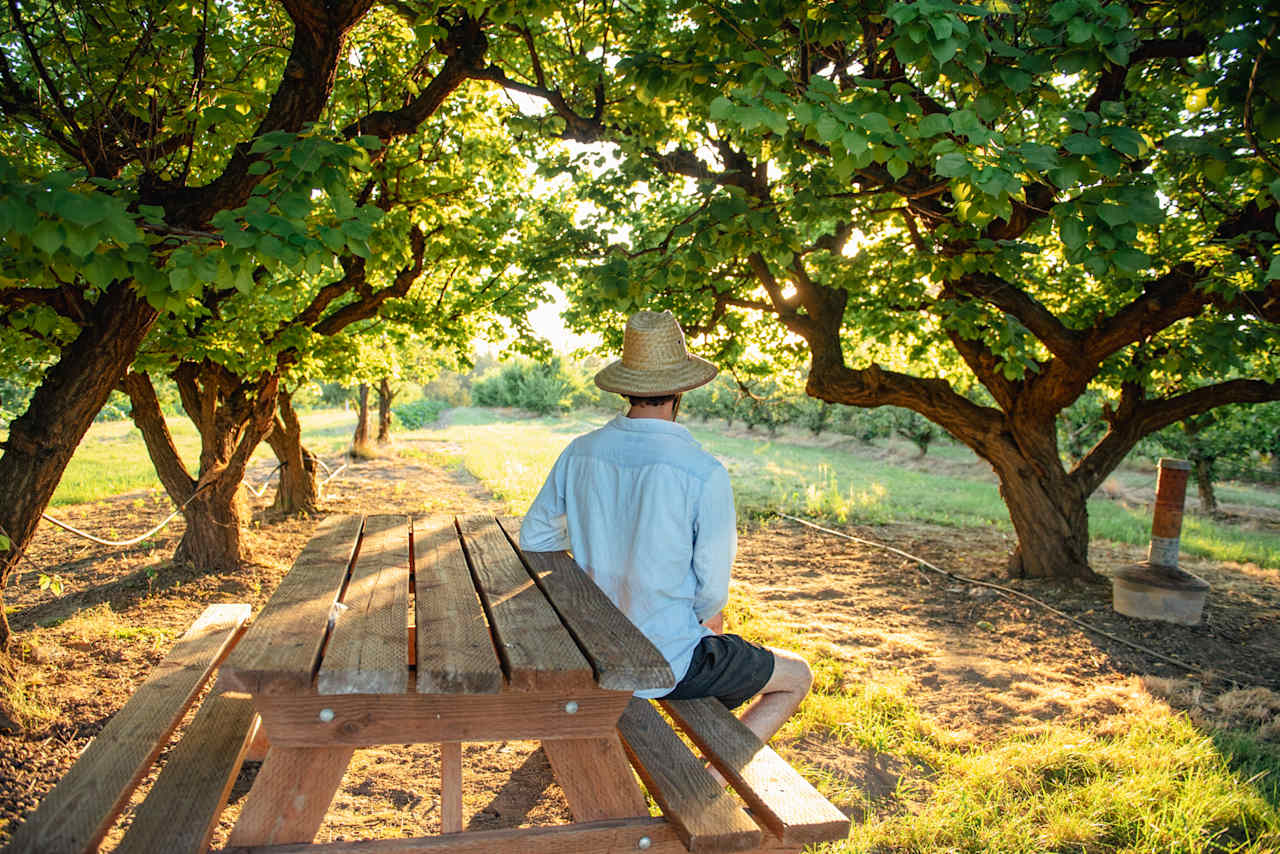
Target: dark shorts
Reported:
[(726, 667)]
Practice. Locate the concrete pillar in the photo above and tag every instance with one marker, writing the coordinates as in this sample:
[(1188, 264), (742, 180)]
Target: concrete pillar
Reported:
[(1157, 589)]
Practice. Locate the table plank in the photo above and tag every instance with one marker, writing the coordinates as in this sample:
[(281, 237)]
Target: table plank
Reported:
[(80, 809), (280, 651), (537, 651), (779, 797), (365, 720), (367, 651), (454, 647), (706, 818), (623, 658)]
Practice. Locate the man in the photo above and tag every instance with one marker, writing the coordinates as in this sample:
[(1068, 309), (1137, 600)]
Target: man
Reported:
[(649, 516)]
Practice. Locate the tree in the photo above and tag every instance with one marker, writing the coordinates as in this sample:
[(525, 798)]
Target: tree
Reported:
[(1012, 204), (137, 172)]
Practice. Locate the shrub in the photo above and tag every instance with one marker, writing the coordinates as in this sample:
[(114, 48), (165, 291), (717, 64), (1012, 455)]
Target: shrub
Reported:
[(540, 387), (419, 413)]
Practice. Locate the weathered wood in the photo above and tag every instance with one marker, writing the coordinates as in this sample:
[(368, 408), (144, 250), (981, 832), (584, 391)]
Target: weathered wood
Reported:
[(622, 657), (455, 648), (779, 797), (280, 651), (705, 816), (75, 815), (182, 808), (600, 837), (365, 720), (537, 651), (451, 787), (291, 795), (367, 649), (596, 778)]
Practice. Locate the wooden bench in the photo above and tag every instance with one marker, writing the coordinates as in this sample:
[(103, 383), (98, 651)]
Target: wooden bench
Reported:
[(183, 805), (706, 818)]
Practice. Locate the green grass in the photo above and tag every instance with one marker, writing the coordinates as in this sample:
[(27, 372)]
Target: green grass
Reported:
[(513, 456), (112, 459)]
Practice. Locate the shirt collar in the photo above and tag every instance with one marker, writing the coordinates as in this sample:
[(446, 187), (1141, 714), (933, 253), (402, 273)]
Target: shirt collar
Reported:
[(651, 425)]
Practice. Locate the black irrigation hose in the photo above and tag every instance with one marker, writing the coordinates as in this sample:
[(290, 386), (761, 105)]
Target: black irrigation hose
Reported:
[(1009, 591)]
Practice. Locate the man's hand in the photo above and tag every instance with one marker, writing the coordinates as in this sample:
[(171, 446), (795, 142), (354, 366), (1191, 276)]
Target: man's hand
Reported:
[(716, 623)]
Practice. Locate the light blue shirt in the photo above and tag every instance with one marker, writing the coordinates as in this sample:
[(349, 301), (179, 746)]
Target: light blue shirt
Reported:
[(649, 516)]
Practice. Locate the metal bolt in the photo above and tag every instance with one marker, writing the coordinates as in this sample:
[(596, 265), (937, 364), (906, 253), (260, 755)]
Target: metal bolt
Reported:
[(326, 715), (571, 707), (644, 843)]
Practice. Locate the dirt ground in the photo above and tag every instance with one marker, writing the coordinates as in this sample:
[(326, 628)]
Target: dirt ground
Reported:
[(980, 663)]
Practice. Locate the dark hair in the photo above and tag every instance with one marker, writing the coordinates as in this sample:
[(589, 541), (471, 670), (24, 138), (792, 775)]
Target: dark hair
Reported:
[(637, 400)]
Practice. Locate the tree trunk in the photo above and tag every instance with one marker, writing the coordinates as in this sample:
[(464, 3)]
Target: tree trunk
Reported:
[(385, 396), (297, 492), (1052, 525), (360, 440), (1204, 484), (42, 439), (232, 416)]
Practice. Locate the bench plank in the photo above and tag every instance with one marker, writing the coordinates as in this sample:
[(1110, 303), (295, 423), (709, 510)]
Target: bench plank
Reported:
[(76, 814), (368, 646), (705, 816), (455, 649), (536, 650), (779, 797), (280, 651), (623, 658), (182, 808)]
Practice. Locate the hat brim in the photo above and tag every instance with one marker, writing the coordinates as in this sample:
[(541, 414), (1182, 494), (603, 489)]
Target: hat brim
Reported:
[(619, 379)]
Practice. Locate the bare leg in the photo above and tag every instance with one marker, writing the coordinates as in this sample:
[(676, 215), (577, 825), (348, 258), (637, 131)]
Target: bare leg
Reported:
[(780, 696)]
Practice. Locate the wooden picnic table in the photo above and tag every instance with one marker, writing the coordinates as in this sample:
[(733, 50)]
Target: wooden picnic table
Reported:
[(396, 630), (434, 630)]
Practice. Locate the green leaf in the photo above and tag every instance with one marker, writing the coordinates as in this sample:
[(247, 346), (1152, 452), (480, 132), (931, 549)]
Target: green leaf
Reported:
[(828, 128), (721, 108), (1073, 231), (953, 165), (1113, 215), (1273, 271), (48, 236), (934, 124), (1079, 143), (1131, 260), (897, 167)]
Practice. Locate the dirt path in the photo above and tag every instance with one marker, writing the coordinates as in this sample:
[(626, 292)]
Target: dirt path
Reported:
[(980, 664)]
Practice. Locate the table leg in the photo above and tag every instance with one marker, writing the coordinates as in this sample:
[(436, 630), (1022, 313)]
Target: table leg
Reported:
[(451, 787), (291, 795), (596, 778)]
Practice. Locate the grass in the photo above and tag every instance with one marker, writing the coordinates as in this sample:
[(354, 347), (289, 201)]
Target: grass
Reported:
[(512, 458)]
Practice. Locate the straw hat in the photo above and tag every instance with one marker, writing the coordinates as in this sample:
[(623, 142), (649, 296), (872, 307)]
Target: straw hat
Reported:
[(655, 361)]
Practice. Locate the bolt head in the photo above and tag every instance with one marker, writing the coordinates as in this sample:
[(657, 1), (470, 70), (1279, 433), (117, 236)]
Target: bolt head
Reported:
[(644, 843), (571, 707), (326, 715)]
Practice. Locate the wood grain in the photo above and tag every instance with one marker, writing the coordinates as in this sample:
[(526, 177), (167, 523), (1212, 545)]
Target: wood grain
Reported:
[(280, 651), (367, 651), (536, 650), (705, 816), (291, 795), (451, 787), (779, 797), (182, 808), (622, 657), (75, 815), (596, 779), (600, 837), (365, 720), (455, 649)]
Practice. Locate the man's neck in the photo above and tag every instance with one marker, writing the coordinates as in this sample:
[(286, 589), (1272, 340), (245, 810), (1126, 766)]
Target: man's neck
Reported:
[(663, 412)]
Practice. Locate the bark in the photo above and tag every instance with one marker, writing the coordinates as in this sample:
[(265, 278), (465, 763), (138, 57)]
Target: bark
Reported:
[(297, 492), (42, 439), (232, 416), (360, 439), (1204, 484), (385, 396)]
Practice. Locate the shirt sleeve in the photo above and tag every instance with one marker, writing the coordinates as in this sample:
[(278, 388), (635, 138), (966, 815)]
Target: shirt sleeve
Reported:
[(715, 542), (546, 527)]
